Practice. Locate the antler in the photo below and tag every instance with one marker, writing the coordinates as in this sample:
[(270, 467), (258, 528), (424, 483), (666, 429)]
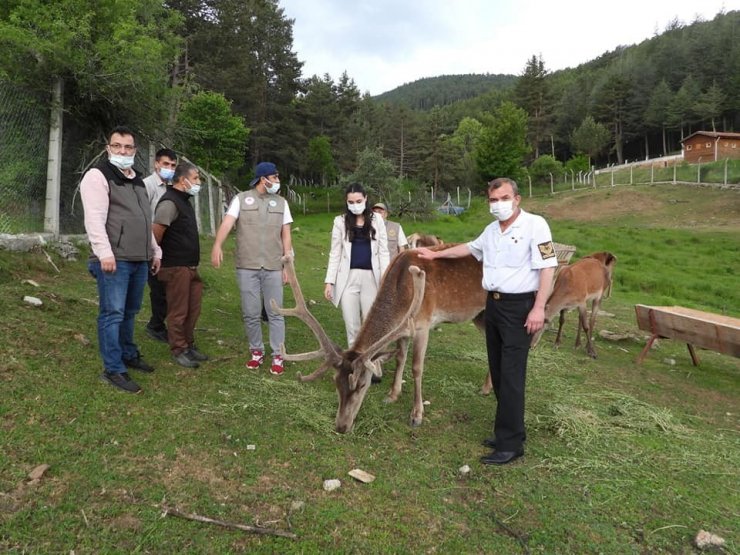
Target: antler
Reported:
[(328, 349), (406, 323)]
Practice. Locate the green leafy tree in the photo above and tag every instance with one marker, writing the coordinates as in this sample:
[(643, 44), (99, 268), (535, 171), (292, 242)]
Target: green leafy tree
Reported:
[(502, 145), (375, 172), (210, 134), (578, 163), (710, 104), (590, 138), (532, 93), (656, 114), (465, 138), (111, 56), (320, 159), (681, 112), (611, 99)]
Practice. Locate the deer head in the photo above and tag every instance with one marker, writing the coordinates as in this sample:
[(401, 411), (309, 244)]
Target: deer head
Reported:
[(355, 366)]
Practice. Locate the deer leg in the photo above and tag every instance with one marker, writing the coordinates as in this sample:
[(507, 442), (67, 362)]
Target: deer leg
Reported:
[(401, 354), (560, 328), (582, 323), (480, 323), (421, 340), (592, 323)]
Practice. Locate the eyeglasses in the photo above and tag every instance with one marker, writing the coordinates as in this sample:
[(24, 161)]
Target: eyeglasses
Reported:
[(125, 148)]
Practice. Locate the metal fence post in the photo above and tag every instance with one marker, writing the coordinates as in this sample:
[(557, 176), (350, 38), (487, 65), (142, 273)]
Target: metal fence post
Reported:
[(725, 180), (529, 177), (552, 185), (54, 166), (674, 172)]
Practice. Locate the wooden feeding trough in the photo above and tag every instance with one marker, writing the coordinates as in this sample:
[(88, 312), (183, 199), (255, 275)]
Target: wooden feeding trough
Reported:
[(695, 327)]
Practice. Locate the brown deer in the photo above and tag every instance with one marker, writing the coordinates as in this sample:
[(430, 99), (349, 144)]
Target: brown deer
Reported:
[(423, 240), (589, 279), (414, 296)]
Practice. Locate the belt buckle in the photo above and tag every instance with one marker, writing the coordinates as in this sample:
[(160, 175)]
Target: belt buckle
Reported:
[(496, 295)]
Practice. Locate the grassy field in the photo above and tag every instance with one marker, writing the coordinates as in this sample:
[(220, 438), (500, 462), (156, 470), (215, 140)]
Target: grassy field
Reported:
[(619, 458)]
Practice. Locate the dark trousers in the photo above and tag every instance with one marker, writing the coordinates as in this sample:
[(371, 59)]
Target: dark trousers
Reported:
[(184, 293), (158, 298), (507, 342)]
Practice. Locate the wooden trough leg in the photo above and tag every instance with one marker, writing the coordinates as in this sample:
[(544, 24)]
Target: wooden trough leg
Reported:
[(692, 352), (653, 337), (647, 348)]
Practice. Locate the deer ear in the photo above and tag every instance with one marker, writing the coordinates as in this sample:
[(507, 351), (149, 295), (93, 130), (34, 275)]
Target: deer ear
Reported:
[(374, 367), (384, 356)]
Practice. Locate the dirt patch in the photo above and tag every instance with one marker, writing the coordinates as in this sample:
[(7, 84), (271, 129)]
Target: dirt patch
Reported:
[(678, 206)]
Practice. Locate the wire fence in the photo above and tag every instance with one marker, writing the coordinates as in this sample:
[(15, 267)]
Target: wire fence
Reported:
[(24, 135), (24, 155)]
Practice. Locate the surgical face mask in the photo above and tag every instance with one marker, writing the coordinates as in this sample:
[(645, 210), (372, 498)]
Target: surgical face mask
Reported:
[(120, 161), (194, 188), (273, 188), (502, 210), (166, 173), (357, 208)]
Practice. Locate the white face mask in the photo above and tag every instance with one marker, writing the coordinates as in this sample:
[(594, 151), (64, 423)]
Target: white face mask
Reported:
[(194, 188), (120, 161), (502, 210), (273, 188), (357, 208)]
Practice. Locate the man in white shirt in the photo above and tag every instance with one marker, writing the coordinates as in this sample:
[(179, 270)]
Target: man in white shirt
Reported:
[(165, 162), (519, 263)]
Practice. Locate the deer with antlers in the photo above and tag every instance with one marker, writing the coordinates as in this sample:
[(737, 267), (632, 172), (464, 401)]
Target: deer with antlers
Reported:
[(414, 296)]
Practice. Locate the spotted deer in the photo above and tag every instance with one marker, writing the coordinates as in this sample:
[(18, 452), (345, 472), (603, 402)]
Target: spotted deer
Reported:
[(589, 279), (414, 296)]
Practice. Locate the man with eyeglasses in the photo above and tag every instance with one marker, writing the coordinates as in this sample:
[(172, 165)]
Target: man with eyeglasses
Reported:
[(165, 162), (118, 221)]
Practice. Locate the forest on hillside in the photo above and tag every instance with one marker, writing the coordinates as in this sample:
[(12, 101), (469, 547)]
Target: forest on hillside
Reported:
[(221, 82)]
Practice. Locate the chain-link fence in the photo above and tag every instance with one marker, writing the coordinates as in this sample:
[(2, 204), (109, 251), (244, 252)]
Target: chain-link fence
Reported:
[(24, 137), (24, 155)]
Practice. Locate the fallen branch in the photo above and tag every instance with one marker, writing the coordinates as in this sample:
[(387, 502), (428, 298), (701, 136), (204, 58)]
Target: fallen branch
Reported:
[(243, 527), (51, 261)]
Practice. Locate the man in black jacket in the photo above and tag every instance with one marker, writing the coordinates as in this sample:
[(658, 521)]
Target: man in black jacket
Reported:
[(176, 230)]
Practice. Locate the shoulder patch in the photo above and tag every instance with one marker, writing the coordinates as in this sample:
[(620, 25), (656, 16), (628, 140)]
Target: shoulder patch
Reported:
[(547, 250)]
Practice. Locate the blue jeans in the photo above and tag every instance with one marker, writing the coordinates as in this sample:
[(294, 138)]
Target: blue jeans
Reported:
[(120, 294)]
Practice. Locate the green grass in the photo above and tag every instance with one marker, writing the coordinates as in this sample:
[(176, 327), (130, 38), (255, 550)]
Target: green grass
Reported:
[(620, 458)]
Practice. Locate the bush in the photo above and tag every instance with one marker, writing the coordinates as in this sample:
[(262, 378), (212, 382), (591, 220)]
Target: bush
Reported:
[(543, 166)]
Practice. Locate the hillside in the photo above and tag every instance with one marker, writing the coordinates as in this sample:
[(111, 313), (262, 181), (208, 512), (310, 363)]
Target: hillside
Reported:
[(425, 94)]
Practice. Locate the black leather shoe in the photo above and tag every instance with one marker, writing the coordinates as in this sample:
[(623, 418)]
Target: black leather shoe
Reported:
[(184, 360), (375, 379), (157, 335), (489, 442), (501, 457), (139, 363)]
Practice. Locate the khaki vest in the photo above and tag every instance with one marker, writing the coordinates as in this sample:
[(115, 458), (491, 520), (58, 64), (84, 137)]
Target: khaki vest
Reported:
[(392, 228), (259, 227)]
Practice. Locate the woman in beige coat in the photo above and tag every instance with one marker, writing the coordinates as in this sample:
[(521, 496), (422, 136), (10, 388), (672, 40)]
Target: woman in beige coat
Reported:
[(357, 260)]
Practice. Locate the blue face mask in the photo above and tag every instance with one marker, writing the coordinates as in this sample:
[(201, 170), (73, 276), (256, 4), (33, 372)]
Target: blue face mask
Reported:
[(166, 173), (120, 161)]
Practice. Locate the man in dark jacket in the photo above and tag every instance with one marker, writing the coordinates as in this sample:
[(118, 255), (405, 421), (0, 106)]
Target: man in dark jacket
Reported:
[(176, 230), (118, 221)]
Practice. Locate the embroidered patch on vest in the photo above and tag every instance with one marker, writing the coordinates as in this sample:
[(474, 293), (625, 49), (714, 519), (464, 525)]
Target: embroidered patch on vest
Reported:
[(272, 203), (547, 250), (391, 233), (249, 201)]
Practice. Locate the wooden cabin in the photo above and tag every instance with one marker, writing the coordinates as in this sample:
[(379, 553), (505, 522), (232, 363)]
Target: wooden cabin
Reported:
[(710, 146)]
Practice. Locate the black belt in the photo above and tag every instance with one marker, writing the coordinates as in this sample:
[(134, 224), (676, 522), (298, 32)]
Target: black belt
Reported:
[(497, 296)]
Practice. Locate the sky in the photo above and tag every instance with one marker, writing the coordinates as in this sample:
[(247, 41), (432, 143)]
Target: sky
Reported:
[(382, 44)]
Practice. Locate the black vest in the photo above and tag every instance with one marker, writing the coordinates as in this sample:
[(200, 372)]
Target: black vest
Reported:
[(180, 242), (129, 222)]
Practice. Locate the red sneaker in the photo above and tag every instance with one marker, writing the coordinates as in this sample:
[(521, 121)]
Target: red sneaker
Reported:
[(256, 360), (277, 365)]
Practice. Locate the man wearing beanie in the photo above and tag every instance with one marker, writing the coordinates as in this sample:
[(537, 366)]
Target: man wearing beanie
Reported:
[(262, 219)]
